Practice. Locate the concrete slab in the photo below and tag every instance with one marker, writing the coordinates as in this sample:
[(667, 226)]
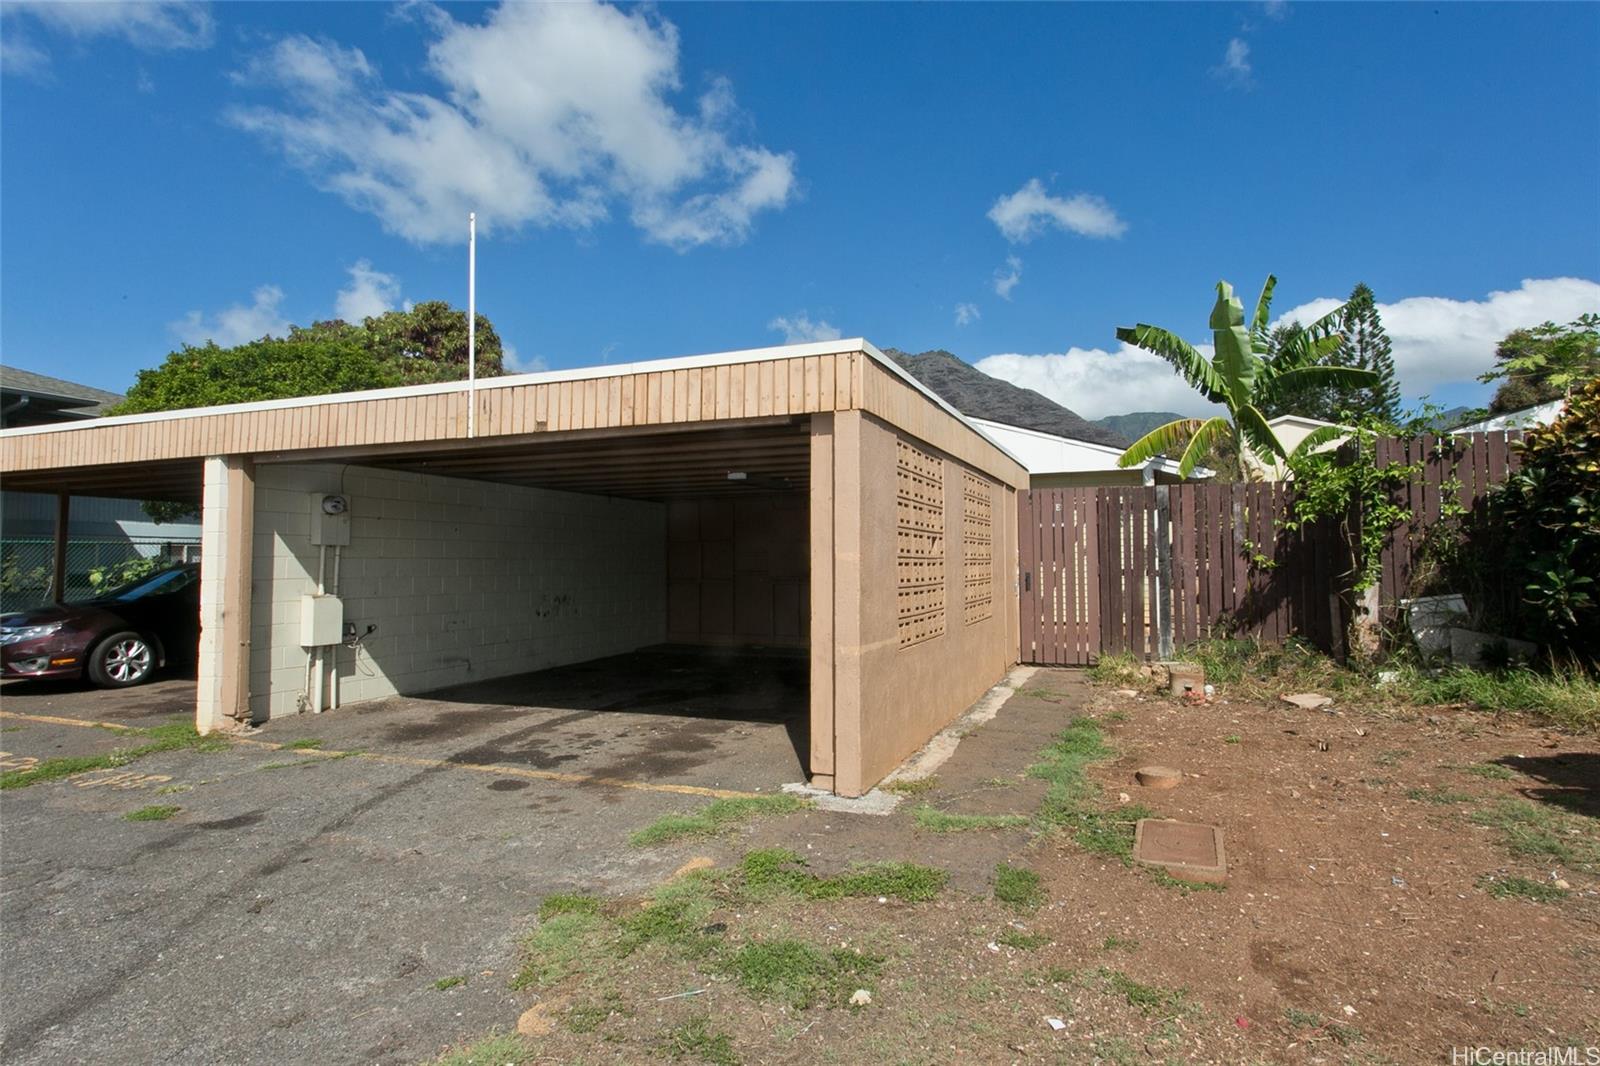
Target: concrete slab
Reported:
[(299, 906), (1188, 850), (876, 801)]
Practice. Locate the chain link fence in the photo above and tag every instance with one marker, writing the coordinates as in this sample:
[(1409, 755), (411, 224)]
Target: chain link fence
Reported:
[(94, 565)]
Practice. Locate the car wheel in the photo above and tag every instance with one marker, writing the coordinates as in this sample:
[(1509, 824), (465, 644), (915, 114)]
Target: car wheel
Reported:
[(121, 660)]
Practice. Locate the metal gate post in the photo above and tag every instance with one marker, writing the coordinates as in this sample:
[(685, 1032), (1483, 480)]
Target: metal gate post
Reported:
[(1164, 571)]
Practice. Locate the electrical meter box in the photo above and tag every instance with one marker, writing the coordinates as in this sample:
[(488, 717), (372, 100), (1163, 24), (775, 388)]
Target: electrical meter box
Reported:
[(330, 519), (321, 621)]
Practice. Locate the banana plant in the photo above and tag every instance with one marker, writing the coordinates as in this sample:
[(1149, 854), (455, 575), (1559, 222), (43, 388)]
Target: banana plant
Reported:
[(1244, 372)]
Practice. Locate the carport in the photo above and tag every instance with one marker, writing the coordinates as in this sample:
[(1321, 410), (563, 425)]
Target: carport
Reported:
[(810, 502)]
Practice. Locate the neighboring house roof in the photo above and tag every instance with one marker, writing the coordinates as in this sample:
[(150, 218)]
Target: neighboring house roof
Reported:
[(977, 395), (29, 399), (1051, 453), (1538, 415)]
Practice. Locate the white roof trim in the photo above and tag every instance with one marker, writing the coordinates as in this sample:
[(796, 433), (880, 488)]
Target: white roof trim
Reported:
[(842, 346), (1160, 462)]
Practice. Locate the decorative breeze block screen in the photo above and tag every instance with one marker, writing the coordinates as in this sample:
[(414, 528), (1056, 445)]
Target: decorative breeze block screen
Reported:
[(919, 511), (977, 547)]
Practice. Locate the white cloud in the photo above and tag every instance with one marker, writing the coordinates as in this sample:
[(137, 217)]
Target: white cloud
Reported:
[(966, 314), (20, 56), (1435, 340), (514, 363), (550, 115), (798, 328), (152, 26), (370, 293), (237, 324), (1096, 383), (1030, 211), (1277, 10), (1007, 277), (1235, 67)]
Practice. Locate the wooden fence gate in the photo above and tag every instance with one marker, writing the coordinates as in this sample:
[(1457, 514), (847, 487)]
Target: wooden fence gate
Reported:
[(1148, 570)]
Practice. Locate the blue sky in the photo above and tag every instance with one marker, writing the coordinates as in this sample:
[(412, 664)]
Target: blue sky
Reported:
[(1008, 182)]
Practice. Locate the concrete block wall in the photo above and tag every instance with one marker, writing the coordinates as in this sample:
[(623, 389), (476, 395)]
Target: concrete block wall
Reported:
[(465, 580)]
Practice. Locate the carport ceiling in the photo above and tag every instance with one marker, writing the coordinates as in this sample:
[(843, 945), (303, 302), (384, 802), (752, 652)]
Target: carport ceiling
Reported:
[(175, 480), (657, 466)]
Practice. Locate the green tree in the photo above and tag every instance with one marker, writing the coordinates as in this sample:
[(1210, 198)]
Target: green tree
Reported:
[(428, 343), (268, 369), (1553, 504), (1364, 346), (1544, 362), (1243, 374)]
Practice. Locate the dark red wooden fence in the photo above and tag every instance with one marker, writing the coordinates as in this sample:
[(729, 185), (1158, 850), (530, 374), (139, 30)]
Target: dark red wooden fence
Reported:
[(1149, 570)]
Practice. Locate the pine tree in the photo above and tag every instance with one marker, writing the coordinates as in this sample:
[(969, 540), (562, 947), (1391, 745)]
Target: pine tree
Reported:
[(1366, 347)]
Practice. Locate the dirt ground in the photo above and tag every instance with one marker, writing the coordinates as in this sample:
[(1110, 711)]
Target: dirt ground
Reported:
[(1371, 912)]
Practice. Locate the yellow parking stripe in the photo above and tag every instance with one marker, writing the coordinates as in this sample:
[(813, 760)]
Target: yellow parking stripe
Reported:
[(419, 761)]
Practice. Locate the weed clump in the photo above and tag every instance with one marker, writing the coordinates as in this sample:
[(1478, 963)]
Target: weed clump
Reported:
[(714, 818), (795, 973), (1018, 887), (773, 871)]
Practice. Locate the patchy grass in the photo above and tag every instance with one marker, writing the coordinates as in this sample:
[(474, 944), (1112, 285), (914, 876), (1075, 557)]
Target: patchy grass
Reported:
[(1566, 697), (303, 744), (563, 945), (714, 818), (1491, 770), (158, 812), (292, 764), (936, 821), (774, 871), (444, 984), (1391, 758), (1512, 887), (1021, 940), (1112, 943), (675, 918), (1149, 999), (1062, 765), (1018, 887), (913, 786), (1231, 738), (173, 736), (1441, 796), (1301, 1019), (567, 903), (695, 1039), (1537, 831), (500, 1049), (1569, 698), (800, 975)]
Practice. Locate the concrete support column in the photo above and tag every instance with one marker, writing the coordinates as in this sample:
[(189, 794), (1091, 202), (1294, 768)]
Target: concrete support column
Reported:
[(836, 636), (58, 569), (227, 520), (820, 764)]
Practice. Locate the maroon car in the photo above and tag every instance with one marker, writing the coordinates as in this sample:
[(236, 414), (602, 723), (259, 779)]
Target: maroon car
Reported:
[(115, 640)]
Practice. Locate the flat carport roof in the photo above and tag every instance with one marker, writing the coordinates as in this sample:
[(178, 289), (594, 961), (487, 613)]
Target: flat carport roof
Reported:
[(762, 393)]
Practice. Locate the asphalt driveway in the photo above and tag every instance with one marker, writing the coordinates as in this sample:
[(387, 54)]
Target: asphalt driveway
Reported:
[(301, 904)]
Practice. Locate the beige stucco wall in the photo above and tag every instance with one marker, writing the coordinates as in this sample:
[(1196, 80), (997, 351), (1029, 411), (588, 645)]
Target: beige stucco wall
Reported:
[(906, 694), (465, 580)]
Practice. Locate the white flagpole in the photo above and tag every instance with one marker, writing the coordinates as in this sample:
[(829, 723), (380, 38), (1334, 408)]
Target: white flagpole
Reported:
[(472, 323)]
